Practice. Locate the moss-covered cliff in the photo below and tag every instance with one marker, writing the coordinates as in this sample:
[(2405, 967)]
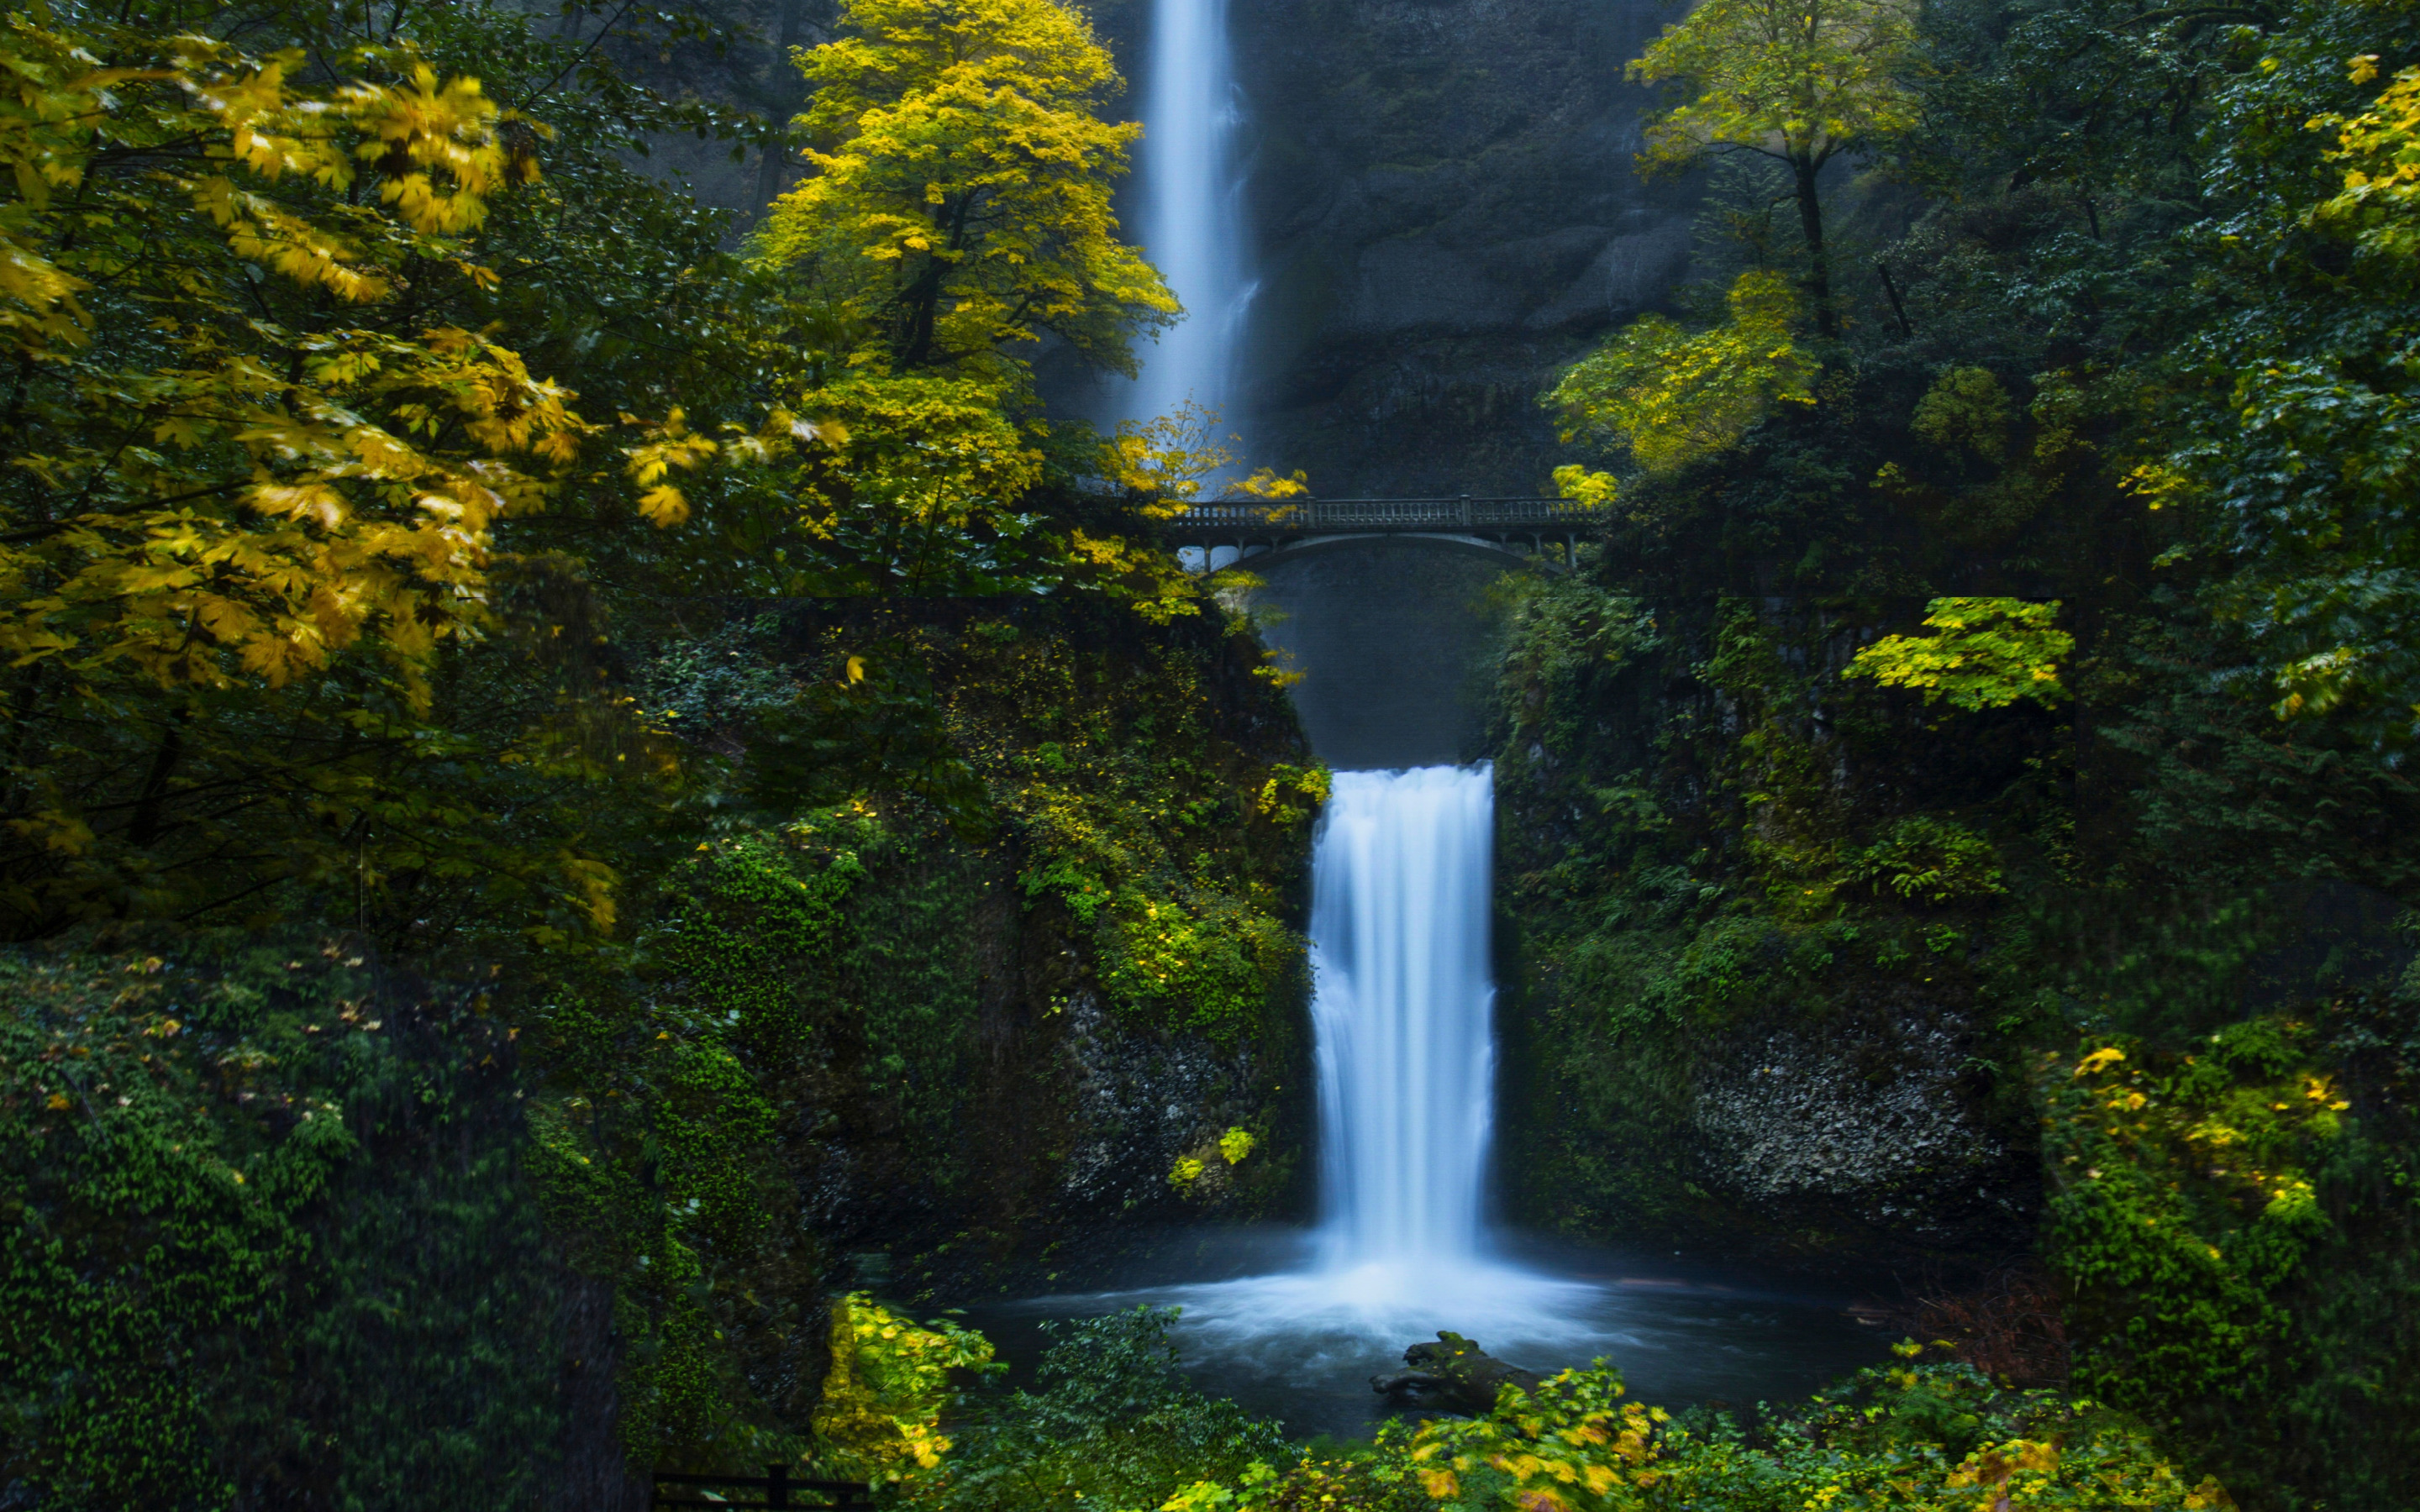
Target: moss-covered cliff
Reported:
[(341, 1227), (1803, 968)]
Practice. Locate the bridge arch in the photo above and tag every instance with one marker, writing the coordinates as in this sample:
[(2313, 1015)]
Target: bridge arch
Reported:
[(1250, 527), (1393, 636)]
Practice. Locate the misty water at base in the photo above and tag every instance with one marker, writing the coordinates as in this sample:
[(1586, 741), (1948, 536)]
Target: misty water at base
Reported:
[(1293, 1324), (1258, 1324)]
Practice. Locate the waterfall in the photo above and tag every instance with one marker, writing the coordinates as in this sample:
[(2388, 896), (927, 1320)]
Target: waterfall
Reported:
[(1402, 877), (1399, 947), (1191, 208)]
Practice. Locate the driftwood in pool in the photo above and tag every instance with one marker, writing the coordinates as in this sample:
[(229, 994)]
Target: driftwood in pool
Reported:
[(1454, 1374)]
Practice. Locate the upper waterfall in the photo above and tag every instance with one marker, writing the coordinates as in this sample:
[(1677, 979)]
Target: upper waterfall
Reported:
[(1191, 217)]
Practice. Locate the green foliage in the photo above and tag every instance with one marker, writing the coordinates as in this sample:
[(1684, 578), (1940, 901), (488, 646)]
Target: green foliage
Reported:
[(1125, 827), (1922, 1437), (1112, 1422), (1990, 652), (1928, 859), (1674, 398), (1966, 406), (2314, 557), (2227, 1227), (223, 1156)]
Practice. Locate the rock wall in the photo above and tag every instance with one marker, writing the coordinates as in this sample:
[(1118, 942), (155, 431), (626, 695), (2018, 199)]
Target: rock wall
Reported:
[(1877, 1119), (1696, 1053), (1445, 213)]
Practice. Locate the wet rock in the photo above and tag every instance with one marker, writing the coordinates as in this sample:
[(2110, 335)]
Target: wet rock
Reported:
[(1454, 1374), (1142, 1103)]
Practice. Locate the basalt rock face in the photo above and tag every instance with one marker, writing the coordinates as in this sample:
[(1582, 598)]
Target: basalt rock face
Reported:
[(1873, 1122), (1144, 1103), (1445, 213)]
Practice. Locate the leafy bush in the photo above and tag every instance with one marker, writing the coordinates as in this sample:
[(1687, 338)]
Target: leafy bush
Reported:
[(889, 1382), (2233, 1224), (1114, 1425), (1922, 1437)]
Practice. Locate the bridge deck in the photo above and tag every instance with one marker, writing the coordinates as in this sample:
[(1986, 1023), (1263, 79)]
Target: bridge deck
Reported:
[(1228, 521)]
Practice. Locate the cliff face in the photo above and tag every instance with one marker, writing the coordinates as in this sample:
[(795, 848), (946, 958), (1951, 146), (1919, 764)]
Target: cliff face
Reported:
[(1445, 213)]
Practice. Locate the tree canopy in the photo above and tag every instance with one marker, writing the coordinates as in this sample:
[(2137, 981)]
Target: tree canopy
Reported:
[(1798, 81), (960, 207)]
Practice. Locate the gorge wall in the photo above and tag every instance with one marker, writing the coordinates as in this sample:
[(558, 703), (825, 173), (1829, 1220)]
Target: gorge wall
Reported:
[(1446, 214)]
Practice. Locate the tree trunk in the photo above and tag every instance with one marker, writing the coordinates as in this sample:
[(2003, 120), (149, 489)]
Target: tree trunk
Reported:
[(773, 173), (145, 826), (1819, 267)]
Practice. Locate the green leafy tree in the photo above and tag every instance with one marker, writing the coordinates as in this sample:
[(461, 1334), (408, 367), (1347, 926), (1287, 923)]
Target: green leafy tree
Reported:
[(1987, 652), (2297, 442), (1674, 398), (1797, 81)]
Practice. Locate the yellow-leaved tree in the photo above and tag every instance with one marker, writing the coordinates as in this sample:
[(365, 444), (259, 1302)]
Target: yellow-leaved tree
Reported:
[(958, 212), (1798, 81), (960, 203), (254, 476), (260, 507)]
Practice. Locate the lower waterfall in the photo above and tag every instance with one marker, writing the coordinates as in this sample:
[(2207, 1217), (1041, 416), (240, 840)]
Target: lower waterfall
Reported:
[(1402, 1008), (1406, 1060), (1401, 879)]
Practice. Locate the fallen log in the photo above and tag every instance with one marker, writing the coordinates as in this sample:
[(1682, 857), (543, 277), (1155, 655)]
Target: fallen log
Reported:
[(1454, 1374)]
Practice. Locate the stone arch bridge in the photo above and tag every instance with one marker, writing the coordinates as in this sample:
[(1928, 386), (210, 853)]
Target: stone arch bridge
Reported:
[(1389, 608), (1259, 527)]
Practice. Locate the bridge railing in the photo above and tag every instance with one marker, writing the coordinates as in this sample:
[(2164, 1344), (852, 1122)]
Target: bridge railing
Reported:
[(1314, 516)]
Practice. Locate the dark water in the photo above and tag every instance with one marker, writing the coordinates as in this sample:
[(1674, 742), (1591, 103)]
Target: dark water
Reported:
[(1264, 1324)]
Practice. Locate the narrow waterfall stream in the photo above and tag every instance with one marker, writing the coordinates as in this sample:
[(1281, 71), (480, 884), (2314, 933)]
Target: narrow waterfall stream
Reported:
[(1191, 221), (1402, 899)]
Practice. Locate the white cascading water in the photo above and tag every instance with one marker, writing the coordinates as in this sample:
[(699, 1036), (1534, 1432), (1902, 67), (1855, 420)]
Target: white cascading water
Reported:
[(1191, 216), (1401, 892), (1399, 944)]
